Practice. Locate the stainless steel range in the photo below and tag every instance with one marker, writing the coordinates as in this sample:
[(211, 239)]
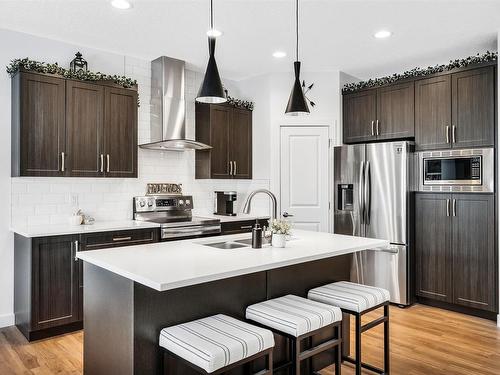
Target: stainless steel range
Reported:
[(173, 212)]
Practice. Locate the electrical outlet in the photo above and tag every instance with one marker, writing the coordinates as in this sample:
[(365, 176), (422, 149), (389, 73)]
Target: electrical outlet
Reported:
[(73, 199)]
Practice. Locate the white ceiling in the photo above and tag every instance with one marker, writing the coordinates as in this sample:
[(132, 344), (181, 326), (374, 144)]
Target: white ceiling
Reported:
[(334, 34)]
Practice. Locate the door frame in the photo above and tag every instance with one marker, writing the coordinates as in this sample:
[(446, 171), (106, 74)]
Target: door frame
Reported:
[(277, 177)]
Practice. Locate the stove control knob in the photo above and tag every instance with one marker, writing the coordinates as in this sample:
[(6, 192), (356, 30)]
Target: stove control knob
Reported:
[(150, 203), (142, 203), (188, 202), (181, 202)]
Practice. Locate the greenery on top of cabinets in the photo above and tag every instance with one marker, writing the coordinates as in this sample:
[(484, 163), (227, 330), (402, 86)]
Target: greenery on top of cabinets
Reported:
[(421, 72)]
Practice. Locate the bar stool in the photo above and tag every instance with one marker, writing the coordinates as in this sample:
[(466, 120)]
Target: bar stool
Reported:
[(218, 343), (357, 300), (298, 318)]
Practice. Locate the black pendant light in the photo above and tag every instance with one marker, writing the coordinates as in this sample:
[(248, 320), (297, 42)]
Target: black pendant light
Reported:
[(297, 104), (211, 90)]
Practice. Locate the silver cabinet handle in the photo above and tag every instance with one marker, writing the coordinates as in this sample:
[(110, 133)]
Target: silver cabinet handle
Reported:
[(230, 168), (246, 227), (76, 249), (107, 163), (447, 134), (62, 162), (234, 168), (102, 163), (373, 131), (454, 207), (453, 138), (377, 128), (122, 238), (447, 207)]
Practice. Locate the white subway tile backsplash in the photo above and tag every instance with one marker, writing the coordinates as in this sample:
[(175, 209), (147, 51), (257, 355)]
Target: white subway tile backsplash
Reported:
[(48, 200)]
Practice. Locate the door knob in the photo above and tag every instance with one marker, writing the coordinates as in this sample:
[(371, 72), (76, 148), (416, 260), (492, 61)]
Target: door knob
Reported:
[(286, 214)]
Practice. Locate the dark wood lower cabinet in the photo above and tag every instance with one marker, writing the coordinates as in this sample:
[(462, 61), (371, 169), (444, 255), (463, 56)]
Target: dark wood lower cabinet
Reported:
[(433, 277), (48, 278), (455, 252), (245, 226), (46, 294)]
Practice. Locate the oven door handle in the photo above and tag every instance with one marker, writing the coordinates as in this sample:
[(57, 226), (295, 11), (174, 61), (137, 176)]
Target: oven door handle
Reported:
[(193, 230)]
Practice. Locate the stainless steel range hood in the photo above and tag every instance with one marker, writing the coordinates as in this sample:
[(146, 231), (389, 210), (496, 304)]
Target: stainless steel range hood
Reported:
[(168, 107)]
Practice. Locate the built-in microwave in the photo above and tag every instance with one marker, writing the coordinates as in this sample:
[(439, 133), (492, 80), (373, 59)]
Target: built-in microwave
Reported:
[(466, 170)]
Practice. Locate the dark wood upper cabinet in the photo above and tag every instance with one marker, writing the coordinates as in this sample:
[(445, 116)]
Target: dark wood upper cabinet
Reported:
[(38, 125), (229, 131), (359, 116), (474, 266), (120, 132), (433, 113), (240, 135), (473, 107), (71, 128), (84, 128), (455, 249), (433, 246), (55, 282), (395, 111)]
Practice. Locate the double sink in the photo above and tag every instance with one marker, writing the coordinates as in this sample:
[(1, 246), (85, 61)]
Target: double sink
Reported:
[(236, 244)]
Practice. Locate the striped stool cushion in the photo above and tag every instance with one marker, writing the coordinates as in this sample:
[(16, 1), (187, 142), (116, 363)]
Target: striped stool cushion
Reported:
[(349, 296), (215, 342), (293, 315)]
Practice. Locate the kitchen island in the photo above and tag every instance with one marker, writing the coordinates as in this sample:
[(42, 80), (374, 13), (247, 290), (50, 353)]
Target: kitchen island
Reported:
[(132, 293)]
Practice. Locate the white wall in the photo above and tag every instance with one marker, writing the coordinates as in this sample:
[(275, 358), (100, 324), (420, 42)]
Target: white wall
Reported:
[(48, 200)]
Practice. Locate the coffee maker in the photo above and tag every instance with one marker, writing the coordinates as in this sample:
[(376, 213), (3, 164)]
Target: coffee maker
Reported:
[(223, 203)]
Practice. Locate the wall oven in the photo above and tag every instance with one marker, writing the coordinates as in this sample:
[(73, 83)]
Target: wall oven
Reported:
[(467, 170)]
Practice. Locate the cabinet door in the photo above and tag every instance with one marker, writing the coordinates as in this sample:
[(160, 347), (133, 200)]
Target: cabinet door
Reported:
[(220, 120), (433, 113), (241, 143), (84, 126), (474, 269), (433, 246), (55, 282), (473, 107), (396, 111), (120, 132), (42, 112), (359, 115)]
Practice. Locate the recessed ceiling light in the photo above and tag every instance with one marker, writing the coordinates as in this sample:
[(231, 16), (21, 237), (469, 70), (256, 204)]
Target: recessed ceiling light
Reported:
[(279, 54), (382, 34), (214, 33), (121, 4)]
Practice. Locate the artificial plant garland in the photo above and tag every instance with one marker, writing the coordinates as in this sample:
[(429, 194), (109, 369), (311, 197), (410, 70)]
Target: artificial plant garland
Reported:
[(419, 72), (43, 67)]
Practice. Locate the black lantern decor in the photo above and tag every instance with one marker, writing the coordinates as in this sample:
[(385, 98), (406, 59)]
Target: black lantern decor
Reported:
[(78, 63)]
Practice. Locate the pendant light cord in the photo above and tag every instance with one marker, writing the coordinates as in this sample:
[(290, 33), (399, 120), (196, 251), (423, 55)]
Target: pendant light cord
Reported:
[(297, 28), (211, 14)]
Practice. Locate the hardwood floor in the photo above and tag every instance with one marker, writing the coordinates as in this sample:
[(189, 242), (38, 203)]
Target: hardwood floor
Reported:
[(424, 341)]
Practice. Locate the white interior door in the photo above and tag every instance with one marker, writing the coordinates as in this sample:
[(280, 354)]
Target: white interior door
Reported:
[(304, 177)]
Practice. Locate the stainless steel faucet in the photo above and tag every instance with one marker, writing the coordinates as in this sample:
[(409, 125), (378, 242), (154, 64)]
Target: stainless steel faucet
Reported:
[(248, 202)]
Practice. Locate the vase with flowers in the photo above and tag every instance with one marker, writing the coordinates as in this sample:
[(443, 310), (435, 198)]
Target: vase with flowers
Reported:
[(280, 229)]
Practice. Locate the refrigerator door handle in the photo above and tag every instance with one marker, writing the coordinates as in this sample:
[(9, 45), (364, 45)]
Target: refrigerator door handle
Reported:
[(367, 193), (361, 193)]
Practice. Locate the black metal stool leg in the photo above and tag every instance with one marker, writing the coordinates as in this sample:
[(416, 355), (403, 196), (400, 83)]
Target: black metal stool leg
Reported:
[(387, 352), (338, 352), (358, 344)]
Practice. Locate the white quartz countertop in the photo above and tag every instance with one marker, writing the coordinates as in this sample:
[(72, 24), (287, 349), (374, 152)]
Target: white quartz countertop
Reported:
[(169, 265), (63, 229)]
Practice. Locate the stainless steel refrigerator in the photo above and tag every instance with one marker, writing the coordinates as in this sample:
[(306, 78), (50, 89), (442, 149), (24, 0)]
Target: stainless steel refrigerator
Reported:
[(373, 184)]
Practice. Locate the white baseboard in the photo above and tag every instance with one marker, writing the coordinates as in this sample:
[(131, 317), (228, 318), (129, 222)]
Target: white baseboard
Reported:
[(498, 320), (6, 320)]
